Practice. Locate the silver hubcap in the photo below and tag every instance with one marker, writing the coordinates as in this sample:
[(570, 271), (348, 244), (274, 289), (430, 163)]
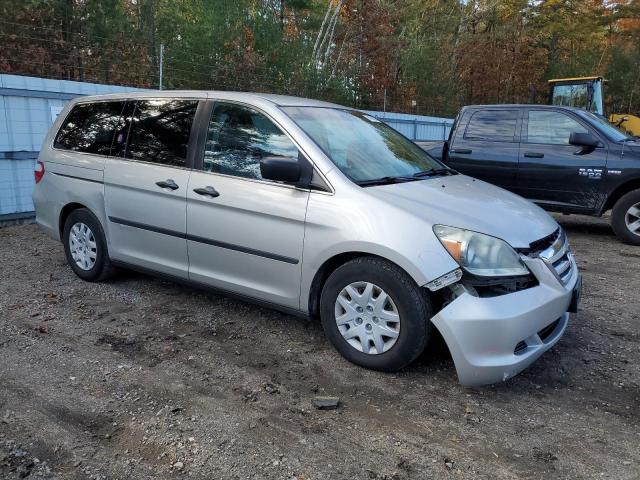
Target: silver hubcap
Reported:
[(367, 318), (632, 219), (82, 245)]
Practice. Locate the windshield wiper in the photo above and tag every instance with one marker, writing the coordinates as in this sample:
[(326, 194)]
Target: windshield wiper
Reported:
[(385, 181), (432, 172)]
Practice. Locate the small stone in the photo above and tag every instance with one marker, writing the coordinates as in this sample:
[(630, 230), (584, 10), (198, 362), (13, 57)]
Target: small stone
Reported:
[(178, 465), (326, 403), (18, 452), (270, 388)]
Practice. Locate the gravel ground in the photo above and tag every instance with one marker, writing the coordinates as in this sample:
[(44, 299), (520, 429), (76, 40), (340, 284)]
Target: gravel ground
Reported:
[(141, 378)]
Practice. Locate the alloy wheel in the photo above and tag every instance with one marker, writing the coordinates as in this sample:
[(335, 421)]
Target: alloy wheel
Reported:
[(632, 219)]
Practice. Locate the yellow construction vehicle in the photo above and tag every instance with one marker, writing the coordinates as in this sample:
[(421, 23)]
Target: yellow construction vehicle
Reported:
[(588, 93)]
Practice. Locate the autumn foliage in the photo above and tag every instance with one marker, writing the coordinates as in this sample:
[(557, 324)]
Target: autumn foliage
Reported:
[(417, 56)]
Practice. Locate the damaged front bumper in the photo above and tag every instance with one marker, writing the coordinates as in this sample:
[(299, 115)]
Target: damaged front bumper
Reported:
[(494, 338)]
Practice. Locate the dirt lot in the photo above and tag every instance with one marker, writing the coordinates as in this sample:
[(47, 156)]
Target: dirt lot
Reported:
[(141, 378)]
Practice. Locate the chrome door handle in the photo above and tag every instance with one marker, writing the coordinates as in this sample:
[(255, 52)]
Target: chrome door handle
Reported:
[(207, 191), (534, 155), (464, 151), (168, 184)]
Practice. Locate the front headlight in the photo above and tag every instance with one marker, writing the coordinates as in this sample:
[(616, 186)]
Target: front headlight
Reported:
[(480, 254)]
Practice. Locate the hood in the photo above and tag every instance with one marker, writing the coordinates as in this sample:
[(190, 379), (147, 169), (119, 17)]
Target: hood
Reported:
[(465, 202)]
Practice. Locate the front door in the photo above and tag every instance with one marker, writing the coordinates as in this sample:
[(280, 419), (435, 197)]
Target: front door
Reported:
[(554, 173), (245, 234), (146, 188)]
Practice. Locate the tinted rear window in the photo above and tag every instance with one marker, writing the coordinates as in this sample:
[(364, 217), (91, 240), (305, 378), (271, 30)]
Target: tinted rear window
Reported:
[(494, 125), (160, 131), (89, 127)]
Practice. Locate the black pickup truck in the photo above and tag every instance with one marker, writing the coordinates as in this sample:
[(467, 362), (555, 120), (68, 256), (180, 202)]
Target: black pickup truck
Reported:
[(564, 159)]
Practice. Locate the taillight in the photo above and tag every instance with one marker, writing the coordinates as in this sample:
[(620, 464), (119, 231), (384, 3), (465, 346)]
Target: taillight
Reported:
[(38, 173)]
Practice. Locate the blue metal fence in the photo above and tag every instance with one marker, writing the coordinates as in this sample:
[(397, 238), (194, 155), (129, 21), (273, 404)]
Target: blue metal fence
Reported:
[(416, 127), (29, 105)]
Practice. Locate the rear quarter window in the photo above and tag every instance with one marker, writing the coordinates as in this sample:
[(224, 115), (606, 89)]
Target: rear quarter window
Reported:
[(492, 125), (89, 127)]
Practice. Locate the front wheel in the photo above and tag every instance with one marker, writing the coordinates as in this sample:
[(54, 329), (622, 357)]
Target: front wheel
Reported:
[(375, 315), (85, 246), (625, 218)]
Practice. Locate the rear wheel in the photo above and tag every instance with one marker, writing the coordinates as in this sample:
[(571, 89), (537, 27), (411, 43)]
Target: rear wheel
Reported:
[(625, 218), (85, 246), (375, 315)]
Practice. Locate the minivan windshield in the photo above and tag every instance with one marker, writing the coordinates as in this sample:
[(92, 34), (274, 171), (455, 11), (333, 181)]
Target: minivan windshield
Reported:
[(363, 148)]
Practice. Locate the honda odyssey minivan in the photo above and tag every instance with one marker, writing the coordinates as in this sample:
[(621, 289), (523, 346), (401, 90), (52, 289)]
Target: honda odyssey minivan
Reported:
[(314, 209)]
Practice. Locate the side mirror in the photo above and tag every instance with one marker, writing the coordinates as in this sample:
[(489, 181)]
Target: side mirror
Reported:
[(582, 139), (585, 140), (280, 169)]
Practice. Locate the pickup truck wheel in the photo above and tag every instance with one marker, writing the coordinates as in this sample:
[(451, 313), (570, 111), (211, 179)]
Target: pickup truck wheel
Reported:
[(85, 246), (375, 315), (625, 218)]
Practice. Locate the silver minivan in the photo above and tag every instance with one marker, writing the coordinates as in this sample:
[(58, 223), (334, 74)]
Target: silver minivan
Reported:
[(314, 209)]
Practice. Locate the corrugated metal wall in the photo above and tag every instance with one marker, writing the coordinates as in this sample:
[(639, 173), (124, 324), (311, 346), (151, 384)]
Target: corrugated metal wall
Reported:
[(416, 127), (29, 105), (16, 184)]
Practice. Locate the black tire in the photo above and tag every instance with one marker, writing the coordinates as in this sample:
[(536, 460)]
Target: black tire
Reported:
[(619, 214), (102, 268), (411, 302)]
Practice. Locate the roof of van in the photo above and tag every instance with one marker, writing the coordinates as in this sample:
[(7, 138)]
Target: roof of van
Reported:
[(280, 100)]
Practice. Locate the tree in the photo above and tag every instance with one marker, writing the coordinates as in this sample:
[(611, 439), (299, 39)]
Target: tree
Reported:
[(418, 56)]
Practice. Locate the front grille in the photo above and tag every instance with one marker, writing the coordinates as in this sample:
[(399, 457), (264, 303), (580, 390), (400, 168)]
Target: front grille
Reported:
[(548, 330), (562, 267), (544, 335), (554, 250)]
